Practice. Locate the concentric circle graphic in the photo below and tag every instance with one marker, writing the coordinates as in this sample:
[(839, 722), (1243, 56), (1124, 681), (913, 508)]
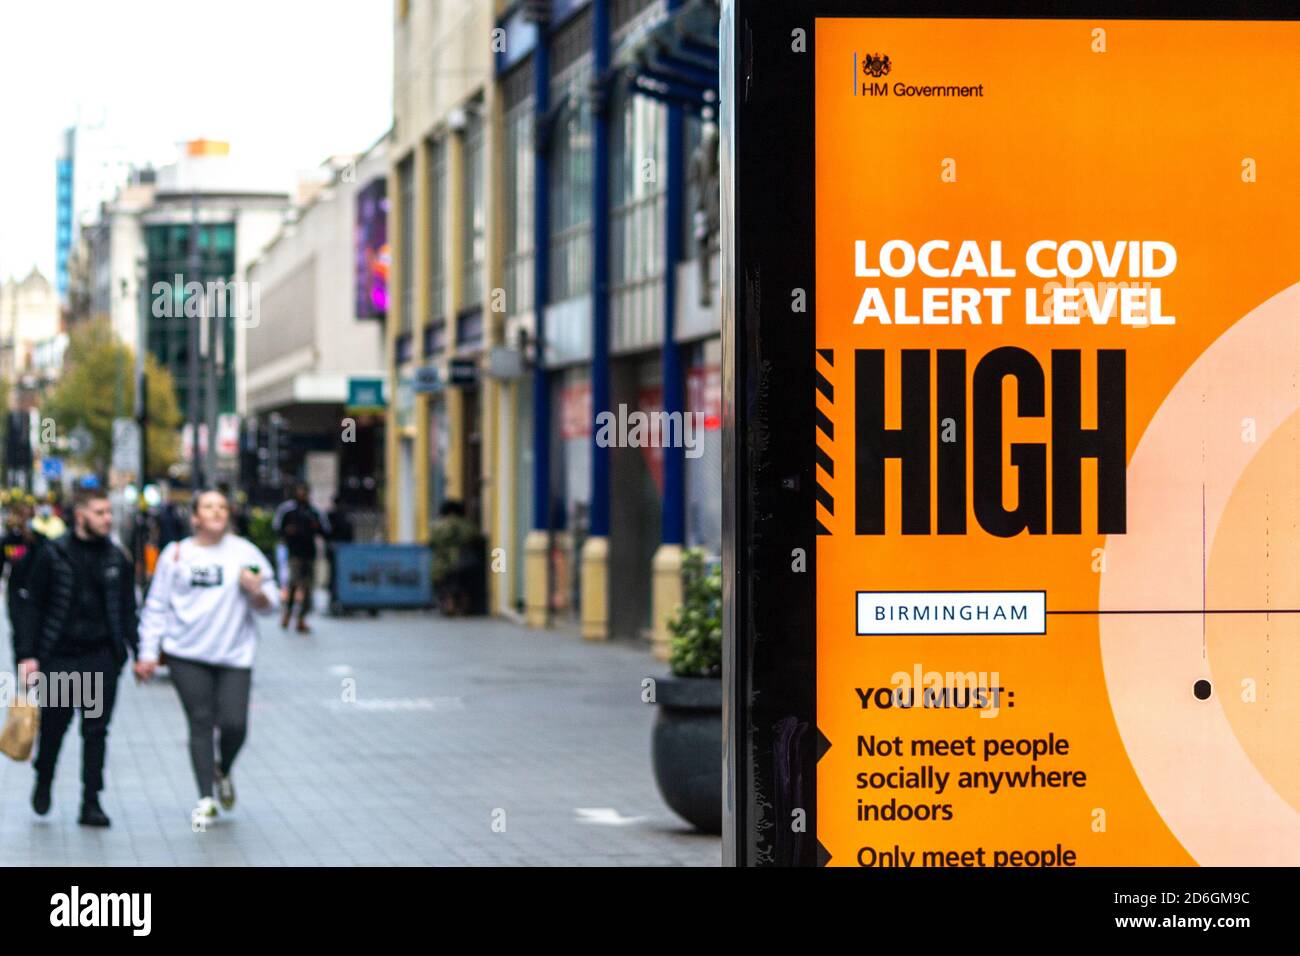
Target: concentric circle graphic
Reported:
[(1205, 696)]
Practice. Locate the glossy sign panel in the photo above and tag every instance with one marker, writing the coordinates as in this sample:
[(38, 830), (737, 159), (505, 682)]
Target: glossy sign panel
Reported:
[(1057, 355)]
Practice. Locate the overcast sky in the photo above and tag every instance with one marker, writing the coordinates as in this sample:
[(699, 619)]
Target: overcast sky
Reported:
[(287, 82)]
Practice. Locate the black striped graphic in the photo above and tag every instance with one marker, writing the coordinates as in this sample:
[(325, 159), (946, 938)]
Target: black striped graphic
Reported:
[(825, 437)]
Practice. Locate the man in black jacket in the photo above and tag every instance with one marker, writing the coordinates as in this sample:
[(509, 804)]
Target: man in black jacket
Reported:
[(83, 622)]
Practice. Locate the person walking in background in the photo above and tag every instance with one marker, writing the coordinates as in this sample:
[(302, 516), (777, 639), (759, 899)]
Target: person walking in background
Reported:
[(47, 521), (83, 622), (173, 522), (281, 549), (238, 508), (18, 551), (239, 520), (340, 532), (201, 611), (299, 524)]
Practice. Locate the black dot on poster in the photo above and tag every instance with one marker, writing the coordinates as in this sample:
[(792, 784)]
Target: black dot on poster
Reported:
[(1202, 689)]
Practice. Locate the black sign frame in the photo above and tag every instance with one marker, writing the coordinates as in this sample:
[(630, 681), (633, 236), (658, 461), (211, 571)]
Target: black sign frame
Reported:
[(771, 742)]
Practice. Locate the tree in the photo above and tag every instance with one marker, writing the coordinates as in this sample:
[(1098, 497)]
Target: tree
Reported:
[(98, 385)]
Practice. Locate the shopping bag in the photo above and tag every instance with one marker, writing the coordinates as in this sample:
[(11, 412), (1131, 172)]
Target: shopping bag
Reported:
[(19, 732)]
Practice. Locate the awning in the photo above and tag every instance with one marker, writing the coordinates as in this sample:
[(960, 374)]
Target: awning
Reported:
[(676, 60)]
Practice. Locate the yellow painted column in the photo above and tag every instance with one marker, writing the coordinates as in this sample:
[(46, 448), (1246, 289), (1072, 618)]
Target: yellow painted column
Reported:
[(667, 594), (420, 470), (488, 395), (536, 558), (507, 509), (595, 589), (453, 397), (536, 583), (493, 391), (454, 471), (420, 416)]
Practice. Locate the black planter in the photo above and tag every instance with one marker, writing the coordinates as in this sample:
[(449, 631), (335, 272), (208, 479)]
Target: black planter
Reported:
[(686, 746)]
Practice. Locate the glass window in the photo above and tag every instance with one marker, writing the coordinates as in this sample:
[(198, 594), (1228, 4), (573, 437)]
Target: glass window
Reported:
[(224, 239), (437, 189), (474, 224), (438, 450), (406, 254), (571, 160), (518, 178), (629, 14), (696, 179), (638, 198), (571, 202), (703, 399), (167, 336), (693, 130)]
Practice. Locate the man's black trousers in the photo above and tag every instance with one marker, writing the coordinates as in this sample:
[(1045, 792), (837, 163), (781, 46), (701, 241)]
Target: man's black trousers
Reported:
[(99, 670)]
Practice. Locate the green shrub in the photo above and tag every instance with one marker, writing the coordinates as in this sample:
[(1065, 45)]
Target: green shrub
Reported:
[(697, 625), (449, 536), (260, 531)]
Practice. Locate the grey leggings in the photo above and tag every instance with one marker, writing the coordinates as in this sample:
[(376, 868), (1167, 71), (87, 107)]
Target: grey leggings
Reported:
[(215, 698)]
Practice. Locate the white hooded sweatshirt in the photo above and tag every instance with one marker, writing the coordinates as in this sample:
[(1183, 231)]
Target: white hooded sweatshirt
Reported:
[(196, 609)]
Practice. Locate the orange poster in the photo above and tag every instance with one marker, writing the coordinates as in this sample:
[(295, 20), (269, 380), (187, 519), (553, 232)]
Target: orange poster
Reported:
[(1058, 341)]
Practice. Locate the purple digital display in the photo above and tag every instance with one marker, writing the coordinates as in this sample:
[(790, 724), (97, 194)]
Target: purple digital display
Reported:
[(372, 251)]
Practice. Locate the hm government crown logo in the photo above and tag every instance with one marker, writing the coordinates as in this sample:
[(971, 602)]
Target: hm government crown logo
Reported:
[(873, 64), (870, 82)]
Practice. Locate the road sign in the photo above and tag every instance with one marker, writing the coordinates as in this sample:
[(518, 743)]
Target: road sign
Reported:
[(80, 440), (1013, 439), (228, 435), (427, 379), (365, 394), (462, 372), (187, 440), (505, 364), (126, 445), (52, 468)]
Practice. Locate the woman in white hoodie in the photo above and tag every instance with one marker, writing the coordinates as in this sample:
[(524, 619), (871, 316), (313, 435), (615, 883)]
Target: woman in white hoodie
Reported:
[(206, 590)]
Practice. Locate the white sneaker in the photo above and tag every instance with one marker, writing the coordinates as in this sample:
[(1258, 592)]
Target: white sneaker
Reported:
[(225, 791), (203, 814)]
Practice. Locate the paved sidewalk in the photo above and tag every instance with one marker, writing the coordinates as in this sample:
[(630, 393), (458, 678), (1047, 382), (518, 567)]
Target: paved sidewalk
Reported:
[(403, 739)]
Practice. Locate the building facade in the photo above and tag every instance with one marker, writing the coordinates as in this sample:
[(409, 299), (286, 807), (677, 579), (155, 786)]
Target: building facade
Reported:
[(442, 153), (31, 334), (554, 184), (64, 166), (320, 333), (234, 212), (90, 166), (115, 249)]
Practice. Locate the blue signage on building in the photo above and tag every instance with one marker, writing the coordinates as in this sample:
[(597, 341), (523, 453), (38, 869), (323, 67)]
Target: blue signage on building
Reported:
[(365, 393)]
